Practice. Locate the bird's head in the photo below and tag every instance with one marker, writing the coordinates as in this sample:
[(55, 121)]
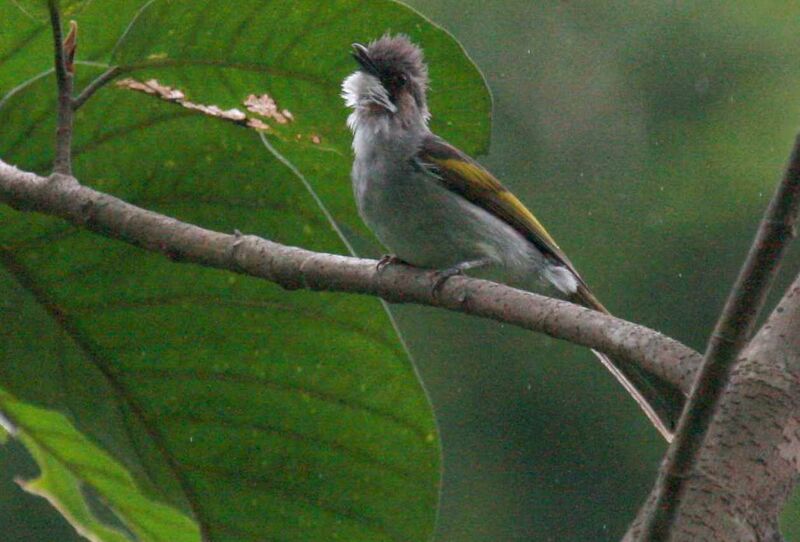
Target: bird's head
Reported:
[(390, 82)]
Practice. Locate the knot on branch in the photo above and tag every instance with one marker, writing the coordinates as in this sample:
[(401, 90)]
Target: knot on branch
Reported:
[(62, 180)]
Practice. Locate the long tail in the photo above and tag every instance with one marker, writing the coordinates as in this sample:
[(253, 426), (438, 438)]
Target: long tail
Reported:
[(661, 401)]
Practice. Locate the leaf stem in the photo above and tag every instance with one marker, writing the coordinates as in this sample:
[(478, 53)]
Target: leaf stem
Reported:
[(107, 76)]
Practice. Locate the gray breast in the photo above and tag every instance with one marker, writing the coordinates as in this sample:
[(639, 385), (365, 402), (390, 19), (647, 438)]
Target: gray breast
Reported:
[(423, 223)]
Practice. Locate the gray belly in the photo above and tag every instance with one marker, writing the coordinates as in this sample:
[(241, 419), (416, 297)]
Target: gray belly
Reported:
[(424, 224)]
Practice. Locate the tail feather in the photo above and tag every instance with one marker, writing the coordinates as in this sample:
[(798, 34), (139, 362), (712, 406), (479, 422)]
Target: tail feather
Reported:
[(661, 401)]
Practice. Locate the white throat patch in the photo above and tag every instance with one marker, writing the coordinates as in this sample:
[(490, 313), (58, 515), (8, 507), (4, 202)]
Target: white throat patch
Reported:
[(361, 89)]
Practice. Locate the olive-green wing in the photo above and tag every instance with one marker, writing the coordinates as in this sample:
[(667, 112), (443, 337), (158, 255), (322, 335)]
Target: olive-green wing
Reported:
[(466, 177), (660, 400)]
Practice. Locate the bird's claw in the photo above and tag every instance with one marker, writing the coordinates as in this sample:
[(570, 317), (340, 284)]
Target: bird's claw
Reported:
[(441, 276), (387, 260)]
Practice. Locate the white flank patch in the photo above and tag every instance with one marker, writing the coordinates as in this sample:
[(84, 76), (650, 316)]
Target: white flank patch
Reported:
[(561, 277)]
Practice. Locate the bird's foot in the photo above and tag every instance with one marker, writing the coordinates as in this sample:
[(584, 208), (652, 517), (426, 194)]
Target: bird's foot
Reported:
[(441, 276), (387, 260)]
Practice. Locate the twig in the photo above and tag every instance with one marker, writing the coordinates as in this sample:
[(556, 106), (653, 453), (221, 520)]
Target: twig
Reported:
[(95, 85), (733, 330), (294, 268), (64, 79)]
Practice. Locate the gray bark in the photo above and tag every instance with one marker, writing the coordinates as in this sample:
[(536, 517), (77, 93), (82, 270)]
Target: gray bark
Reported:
[(294, 268), (749, 462)]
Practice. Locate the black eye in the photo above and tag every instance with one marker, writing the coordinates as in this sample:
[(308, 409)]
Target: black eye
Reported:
[(394, 82)]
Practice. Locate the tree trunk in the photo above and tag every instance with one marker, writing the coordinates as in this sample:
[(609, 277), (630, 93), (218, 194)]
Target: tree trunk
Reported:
[(749, 463)]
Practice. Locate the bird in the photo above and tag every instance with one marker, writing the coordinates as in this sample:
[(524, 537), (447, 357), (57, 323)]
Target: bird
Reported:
[(433, 206)]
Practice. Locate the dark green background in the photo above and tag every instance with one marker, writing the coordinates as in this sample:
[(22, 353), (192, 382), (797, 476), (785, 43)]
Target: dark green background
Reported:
[(648, 139)]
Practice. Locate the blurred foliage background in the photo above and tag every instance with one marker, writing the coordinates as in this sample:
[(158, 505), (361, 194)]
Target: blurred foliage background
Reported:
[(648, 138)]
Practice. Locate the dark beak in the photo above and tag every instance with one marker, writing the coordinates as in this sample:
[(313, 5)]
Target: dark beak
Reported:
[(361, 55)]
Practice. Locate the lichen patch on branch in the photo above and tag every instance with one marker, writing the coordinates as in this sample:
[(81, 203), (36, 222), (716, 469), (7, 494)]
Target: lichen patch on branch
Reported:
[(265, 106), (169, 94)]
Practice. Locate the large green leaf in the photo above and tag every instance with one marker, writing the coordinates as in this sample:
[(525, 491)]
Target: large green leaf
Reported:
[(73, 468), (260, 414)]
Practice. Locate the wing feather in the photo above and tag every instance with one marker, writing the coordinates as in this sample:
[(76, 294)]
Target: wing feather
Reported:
[(660, 400), (466, 177)]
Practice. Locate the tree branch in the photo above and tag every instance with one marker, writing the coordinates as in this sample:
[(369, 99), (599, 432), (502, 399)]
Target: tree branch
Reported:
[(104, 78), (749, 463), (730, 335), (62, 163), (294, 268)]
